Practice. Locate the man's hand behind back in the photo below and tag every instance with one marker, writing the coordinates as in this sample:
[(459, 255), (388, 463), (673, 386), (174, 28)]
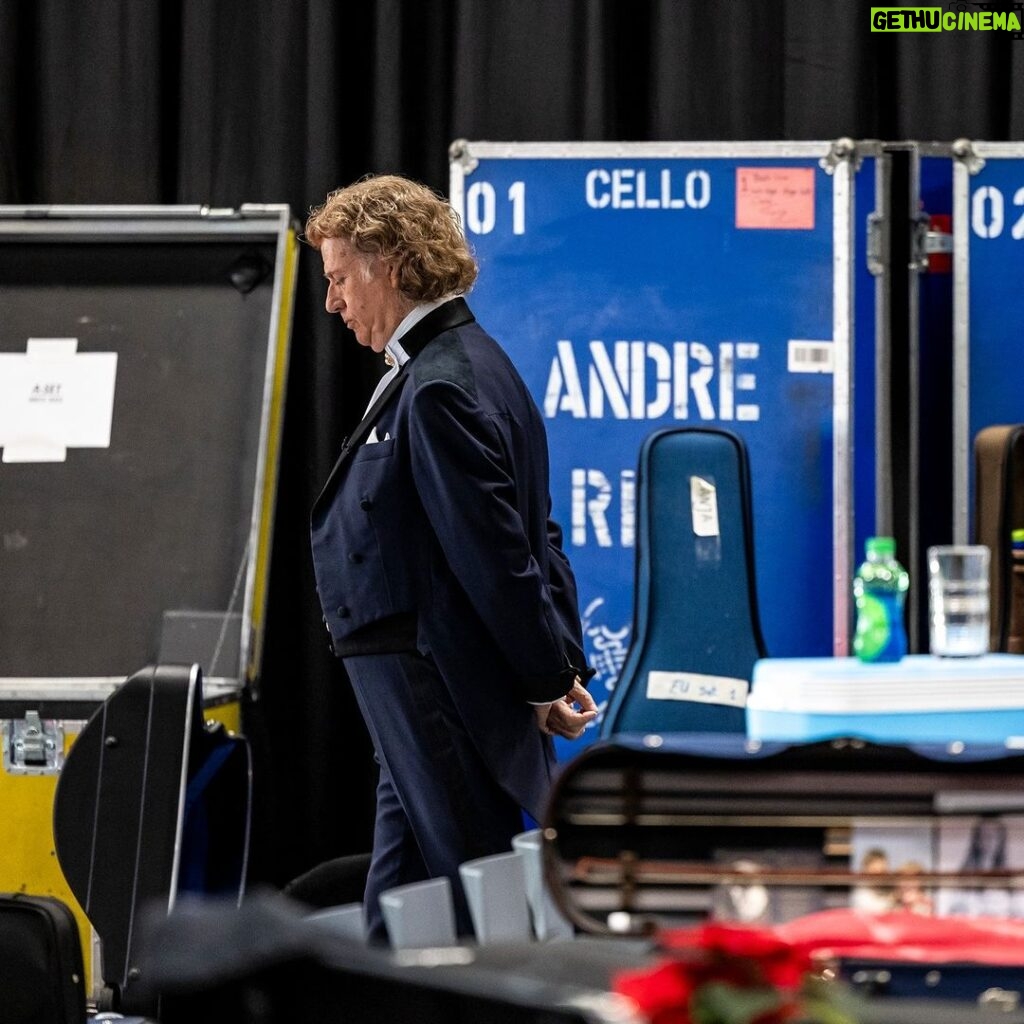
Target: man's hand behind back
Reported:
[(569, 716)]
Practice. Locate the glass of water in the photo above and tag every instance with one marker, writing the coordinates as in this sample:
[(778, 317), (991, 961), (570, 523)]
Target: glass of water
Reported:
[(958, 605)]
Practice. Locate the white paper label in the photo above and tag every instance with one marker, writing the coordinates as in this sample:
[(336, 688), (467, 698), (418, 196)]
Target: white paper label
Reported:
[(704, 507), (52, 398), (810, 357), (697, 687)]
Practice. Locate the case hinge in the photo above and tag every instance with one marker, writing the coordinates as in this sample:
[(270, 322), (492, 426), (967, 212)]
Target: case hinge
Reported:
[(33, 746)]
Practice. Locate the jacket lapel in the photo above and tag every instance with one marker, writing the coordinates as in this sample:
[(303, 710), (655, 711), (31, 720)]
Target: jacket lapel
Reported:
[(444, 318)]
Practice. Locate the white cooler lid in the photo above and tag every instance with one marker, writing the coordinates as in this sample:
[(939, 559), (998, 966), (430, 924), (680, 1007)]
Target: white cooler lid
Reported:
[(919, 682)]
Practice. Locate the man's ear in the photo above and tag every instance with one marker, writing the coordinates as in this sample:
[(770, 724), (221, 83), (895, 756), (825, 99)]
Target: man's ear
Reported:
[(393, 270)]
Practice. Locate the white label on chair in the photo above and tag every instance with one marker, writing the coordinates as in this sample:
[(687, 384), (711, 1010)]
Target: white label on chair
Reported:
[(704, 506), (696, 687)]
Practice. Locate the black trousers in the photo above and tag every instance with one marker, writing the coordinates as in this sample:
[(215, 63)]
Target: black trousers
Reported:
[(437, 803)]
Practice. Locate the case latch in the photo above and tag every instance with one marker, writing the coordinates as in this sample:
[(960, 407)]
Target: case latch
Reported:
[(875, 245), (33, 746)]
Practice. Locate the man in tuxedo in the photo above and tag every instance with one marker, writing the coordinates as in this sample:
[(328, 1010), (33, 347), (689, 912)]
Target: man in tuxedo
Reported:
[(441, 575)]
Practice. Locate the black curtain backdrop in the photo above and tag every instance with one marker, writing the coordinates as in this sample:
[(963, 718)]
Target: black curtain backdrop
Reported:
[(225, 102)]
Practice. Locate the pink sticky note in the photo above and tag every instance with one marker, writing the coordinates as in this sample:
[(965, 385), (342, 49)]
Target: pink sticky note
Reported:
[(775, 197)]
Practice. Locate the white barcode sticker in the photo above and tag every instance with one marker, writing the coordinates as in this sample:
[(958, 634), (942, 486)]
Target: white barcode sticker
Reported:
[(704, 507), (810, 357), (695, 686)]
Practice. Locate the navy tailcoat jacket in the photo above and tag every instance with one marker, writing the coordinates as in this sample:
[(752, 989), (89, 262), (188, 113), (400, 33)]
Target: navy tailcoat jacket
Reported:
[(443, 524)]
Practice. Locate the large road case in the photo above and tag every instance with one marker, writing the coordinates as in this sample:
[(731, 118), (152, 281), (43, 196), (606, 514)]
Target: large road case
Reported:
[(211, 962), (826, 842), (735, 285), (143, 359)]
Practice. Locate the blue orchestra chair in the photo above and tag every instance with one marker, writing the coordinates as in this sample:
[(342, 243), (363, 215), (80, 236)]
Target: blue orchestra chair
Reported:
[(696, 629)]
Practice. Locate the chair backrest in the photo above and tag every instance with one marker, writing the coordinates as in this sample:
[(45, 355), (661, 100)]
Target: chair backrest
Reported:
[(346, 920), (495, 888), (420, 914), (548, 921), (696, 630)]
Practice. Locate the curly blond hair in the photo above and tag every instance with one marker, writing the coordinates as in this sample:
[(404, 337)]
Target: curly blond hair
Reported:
[(399, 221)]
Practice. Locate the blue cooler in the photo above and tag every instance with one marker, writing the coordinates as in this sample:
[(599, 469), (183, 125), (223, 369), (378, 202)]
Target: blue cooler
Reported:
[(922, 698)]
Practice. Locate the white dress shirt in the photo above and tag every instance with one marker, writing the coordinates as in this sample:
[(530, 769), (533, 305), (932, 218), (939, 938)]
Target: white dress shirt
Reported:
[(396, 356)]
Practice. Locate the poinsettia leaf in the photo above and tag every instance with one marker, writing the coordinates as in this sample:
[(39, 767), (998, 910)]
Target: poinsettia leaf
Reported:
[(718, 1003), (833, 1005)]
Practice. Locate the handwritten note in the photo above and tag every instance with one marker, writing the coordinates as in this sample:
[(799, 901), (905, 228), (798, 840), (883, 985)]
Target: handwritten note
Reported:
[(775, 197)]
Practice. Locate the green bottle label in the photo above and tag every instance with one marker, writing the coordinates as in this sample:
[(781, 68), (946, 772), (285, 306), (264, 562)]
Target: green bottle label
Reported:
[(872, 632)]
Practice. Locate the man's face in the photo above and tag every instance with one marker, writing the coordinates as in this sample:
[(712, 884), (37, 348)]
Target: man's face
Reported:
[(363, 291)]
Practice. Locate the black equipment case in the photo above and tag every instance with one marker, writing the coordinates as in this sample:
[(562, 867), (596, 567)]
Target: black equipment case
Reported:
[(42, 980), (998, 510), (153, 803), (647, 832), (143, 363)]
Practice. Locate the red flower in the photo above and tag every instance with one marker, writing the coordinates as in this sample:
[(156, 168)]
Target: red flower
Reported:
[(662, 994), (762, 954), (721, 971)]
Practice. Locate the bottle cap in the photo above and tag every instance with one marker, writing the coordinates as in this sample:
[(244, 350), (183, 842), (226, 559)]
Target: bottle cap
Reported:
[(880, 545), (1017, 536)]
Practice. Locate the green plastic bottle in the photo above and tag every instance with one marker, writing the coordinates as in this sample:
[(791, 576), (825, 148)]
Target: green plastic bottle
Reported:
[(880, 591)]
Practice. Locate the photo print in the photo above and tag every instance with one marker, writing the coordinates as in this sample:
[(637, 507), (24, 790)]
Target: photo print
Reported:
[(899, 850), (974, 846), (759, 901)]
